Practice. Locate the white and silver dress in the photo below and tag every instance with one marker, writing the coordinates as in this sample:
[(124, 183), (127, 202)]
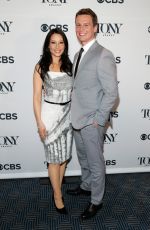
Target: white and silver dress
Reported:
[(56, 117)]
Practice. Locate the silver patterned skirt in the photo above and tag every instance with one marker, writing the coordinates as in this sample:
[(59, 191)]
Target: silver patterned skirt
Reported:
[(59, 139)]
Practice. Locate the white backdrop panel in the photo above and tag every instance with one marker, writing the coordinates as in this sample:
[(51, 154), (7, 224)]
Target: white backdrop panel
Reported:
[(124, 28)]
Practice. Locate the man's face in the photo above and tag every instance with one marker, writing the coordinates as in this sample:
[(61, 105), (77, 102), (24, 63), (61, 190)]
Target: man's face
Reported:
[(85, 30)]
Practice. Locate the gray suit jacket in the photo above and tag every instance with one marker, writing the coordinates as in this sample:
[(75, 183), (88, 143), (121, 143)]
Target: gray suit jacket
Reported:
[(95, 87)]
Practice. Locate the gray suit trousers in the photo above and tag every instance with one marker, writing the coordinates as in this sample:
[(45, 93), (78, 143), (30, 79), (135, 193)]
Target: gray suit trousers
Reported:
[(89, 145)]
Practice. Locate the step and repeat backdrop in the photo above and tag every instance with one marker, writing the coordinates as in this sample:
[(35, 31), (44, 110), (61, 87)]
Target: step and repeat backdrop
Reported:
[(124, 28)]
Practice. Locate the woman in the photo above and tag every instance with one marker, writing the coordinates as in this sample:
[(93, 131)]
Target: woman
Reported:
[(52, 79)]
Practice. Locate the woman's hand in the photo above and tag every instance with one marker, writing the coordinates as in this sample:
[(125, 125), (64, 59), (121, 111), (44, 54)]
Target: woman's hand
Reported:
[(42, 131)]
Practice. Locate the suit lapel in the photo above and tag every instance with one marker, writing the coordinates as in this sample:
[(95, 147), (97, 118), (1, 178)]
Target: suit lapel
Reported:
[(86, 56)]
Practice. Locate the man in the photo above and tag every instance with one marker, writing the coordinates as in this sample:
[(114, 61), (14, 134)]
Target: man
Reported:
[(94, 94)]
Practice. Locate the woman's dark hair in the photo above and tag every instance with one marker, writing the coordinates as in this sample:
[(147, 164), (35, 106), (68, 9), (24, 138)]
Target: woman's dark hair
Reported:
[(46, 58)]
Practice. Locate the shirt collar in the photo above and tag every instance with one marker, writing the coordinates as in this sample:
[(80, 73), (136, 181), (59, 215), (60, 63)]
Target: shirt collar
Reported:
[(88, 45)]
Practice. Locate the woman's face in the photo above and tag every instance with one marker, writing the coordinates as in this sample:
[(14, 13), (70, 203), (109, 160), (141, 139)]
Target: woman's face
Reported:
[(56, 45)]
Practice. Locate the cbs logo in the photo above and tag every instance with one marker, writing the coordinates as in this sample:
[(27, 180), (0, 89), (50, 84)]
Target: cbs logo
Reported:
[(111, 1), (10, 167), (5, 59), (147, 86), (145, 137), (8, 116), (45, 27)]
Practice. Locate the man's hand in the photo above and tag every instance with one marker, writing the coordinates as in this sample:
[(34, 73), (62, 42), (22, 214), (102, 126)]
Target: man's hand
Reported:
[(95, 124)]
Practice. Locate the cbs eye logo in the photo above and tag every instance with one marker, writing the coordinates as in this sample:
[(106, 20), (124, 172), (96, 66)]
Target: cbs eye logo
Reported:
[(145, 137), (147, 85), (44, 27)]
